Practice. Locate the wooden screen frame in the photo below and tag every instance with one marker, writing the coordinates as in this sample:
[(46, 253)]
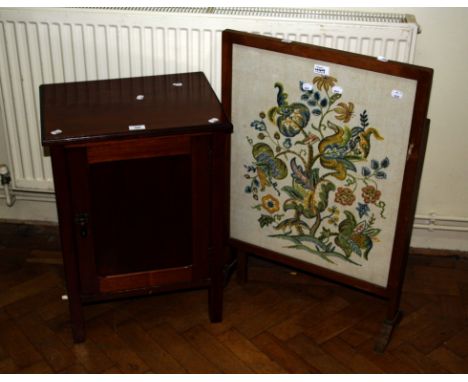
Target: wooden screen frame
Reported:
[(413, 167)]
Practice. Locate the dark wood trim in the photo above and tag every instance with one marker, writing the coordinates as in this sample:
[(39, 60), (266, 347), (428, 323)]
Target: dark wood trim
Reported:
[(226, 73), (70, 261), (138, 149), (146, 291), (407, 206), (320, 53), (220, 180), (200, 155), (81, 201), (129, 281), (308, 267)]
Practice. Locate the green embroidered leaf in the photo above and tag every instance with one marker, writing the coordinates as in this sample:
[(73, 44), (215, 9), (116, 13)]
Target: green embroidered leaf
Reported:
[(279, 170), (265, 220), (290, 205), (260, 148), (323, 195), (281, 98), (356, 130), (333, 126), (317, 112), (290, 223), (315, 176), (354, 247), (368, 246), (311, 239), (273, 167), (334, 98), (343, 243), (372, 232), (347, 164), (293, 192), (346, 227), (272, 114), (308, 213), (325, 234)]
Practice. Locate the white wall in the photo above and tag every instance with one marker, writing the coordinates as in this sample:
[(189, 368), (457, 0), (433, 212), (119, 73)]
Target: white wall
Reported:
[(443, 46)]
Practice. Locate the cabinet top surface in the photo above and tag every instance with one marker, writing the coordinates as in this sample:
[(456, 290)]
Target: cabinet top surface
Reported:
[(130, 107)]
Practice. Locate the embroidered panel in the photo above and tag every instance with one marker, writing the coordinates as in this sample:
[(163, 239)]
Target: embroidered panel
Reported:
[(318, 157)]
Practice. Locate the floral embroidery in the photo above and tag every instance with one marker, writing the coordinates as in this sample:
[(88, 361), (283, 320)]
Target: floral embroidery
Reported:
[(304, 175), (258, 125), (344, 196), (325, 82), (370, 194), (363, 209), (270, 203), (344, 111)]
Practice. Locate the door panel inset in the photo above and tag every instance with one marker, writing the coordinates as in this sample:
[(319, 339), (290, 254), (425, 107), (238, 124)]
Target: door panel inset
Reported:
[(141, 213)]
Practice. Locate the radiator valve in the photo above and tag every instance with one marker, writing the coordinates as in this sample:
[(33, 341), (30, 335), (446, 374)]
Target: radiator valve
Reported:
[(5, 180)]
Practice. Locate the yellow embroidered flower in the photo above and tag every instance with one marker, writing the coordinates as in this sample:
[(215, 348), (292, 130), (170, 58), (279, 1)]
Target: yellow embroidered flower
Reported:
[(325, 82), (344, 111), (270, 203)]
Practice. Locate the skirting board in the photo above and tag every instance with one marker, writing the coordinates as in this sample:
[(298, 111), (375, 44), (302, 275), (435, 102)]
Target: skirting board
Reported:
[(440, 236), (29, 207), (439, 232), (438, 252)]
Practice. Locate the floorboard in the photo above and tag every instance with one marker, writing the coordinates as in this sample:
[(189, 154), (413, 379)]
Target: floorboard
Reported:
[(280, 321)]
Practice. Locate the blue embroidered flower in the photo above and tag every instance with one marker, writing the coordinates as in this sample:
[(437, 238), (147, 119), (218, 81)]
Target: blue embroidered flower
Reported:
[(365, 171), (362, 209), (287, 143), (385, 162), (258, 125)]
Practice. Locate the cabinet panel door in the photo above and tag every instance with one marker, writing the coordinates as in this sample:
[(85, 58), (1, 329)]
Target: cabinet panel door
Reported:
[(147, 212)]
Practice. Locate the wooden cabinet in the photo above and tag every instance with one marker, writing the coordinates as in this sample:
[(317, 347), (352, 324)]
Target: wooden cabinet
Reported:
[(141, 173)]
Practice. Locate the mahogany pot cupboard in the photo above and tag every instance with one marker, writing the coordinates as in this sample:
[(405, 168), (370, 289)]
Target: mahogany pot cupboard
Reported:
[(141, 180)]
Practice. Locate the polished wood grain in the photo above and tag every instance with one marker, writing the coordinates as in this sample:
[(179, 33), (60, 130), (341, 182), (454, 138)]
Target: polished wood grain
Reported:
[(94, 110), (281, 321), (141, 211)]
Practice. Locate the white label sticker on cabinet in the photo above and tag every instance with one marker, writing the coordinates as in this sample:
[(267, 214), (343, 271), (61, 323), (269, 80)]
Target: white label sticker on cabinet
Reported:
[(397, 93), (321, 69), (136, 127)]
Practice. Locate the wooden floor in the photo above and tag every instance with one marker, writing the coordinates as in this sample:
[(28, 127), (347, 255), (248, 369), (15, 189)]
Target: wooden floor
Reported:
[(279, 322)]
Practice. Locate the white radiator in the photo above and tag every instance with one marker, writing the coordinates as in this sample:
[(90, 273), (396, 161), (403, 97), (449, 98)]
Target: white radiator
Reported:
[(55, 45)]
